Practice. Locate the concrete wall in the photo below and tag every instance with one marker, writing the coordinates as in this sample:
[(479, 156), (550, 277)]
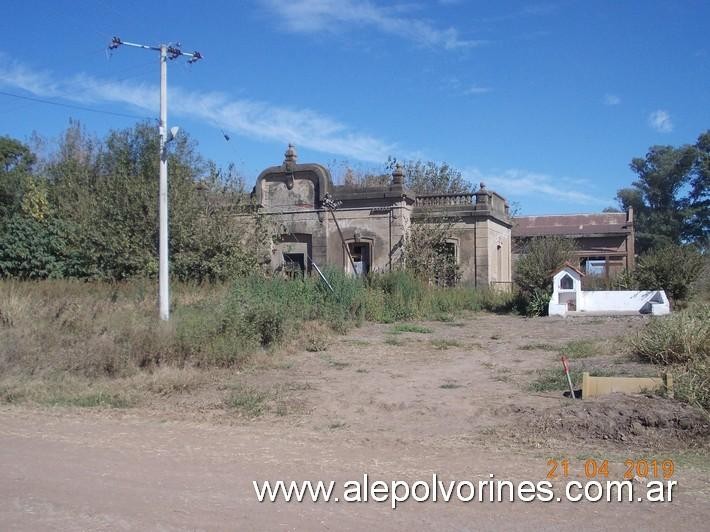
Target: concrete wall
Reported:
[(622, 300), (603, 301), (498, 251), (373, 227)]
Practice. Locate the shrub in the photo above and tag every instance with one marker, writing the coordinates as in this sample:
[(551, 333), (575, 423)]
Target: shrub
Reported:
[(624, 280), (248, 401), (499, 302), (681, 338), (681, 341), (541, 257), (402, 296), (671, 268), (692, 384), (427, 254), (537, 303), (268, 323)]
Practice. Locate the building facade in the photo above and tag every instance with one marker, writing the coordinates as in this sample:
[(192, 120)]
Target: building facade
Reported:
[(364, 230), (605, 241)]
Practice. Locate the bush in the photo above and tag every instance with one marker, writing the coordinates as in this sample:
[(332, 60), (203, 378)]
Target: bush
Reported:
[(692, 385), (427, 255), (537, 303), (681, 338), (681, 341), (268, 323), (541, 258), (499, 302), (402, 296), (671, 268), (39, 249)]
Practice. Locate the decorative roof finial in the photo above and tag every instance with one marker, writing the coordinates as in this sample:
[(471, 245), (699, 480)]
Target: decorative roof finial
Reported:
[(290, 156), (483, 185), (398, 175)]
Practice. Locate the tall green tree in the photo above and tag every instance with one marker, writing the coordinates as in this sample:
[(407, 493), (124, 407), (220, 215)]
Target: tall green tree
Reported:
[(16, 164), (698, 203), (90, 210), (670, 195)]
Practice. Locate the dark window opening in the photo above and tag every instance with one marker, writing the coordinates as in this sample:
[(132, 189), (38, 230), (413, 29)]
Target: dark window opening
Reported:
[(360, 253), (566, 283), (294, 265), (450, 250), (446, 266)]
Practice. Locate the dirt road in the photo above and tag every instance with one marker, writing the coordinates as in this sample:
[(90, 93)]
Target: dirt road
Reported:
[(454, 400), (73, 471)]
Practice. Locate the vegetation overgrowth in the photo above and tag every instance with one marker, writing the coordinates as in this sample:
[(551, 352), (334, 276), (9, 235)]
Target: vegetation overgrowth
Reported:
[(111, 329), (681, 343)]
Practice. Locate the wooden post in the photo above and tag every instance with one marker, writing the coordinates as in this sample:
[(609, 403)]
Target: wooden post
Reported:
[(669, 385)]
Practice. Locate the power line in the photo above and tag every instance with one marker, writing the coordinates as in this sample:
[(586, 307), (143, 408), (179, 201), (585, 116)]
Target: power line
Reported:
[(73, 106)]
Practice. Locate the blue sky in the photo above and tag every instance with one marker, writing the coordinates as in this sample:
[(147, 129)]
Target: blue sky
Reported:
[(545, 102)]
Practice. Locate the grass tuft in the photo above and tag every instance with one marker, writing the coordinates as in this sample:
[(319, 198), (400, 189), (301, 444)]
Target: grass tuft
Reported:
[(443, 344), (248, 401), (580, 349), (410, 328)]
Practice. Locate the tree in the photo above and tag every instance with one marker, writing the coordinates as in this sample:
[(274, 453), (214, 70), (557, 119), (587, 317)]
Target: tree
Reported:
[(16, 162), (432, 178), (698, 208), (671, 268), (670, 196), (421, 177), (539, 261), (91, 211), (427, 253), (38, 249)]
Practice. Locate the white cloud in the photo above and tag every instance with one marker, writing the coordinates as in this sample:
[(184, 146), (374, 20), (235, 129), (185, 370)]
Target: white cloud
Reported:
[(314, 16), (250, 118), (660, 120), (476, 89), (611, 99), (516, 184), (454, 84)]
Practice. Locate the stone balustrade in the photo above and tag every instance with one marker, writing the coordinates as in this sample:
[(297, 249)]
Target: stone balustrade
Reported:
[(445, 200)]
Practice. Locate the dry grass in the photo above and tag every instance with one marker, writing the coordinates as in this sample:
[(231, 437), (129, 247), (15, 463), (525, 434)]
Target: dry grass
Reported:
[(89, 329), (443, 344), (682, 342), (681, 338)]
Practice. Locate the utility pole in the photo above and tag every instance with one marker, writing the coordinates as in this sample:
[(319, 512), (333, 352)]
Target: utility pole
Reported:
[(171, 52)]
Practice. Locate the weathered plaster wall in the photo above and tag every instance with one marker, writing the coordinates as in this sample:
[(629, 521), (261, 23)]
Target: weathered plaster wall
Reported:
[(296, 197)]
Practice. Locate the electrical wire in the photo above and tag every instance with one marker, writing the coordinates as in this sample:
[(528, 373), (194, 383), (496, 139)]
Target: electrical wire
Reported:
[(73, 106)]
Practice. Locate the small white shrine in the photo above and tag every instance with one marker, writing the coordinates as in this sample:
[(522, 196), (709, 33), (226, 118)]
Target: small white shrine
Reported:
[(568, 298)]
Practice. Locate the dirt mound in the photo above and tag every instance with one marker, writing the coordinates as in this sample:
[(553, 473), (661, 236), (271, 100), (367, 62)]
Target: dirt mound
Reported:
[(647, 421)]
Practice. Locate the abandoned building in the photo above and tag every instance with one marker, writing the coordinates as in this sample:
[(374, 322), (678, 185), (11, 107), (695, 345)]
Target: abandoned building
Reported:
[(363, 230), (605, 241)]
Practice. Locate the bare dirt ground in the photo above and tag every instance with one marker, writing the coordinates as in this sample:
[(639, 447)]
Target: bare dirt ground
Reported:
[(455, 401)]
